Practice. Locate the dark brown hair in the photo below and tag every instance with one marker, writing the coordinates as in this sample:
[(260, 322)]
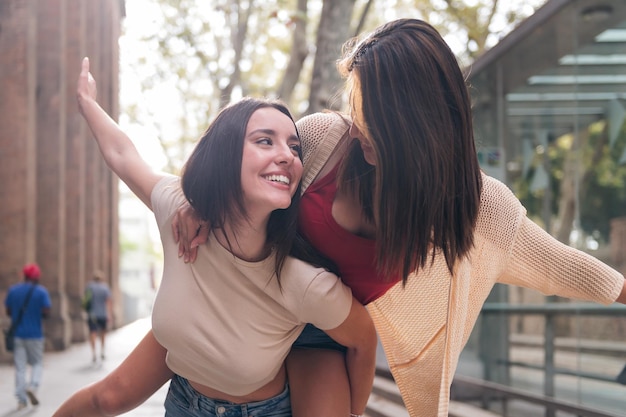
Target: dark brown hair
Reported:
[(417, 112), (211, 178)]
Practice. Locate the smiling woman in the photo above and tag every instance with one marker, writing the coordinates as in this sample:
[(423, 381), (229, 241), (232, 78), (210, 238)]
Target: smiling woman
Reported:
[(243, 179), (273, 168), (270, 168)]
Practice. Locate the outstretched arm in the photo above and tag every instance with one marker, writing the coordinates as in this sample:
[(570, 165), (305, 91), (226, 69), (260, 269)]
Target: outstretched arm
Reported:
[(117, 149), (541, 262), (141, 374)]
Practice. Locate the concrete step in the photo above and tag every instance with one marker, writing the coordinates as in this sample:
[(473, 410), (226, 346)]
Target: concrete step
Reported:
[(379, 406), (458, 409), (385, 401)]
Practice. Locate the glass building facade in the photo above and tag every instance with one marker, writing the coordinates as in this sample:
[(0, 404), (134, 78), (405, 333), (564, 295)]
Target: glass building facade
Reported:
[(549, 108)]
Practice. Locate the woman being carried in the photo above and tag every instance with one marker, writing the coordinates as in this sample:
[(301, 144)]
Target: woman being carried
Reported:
[(225, 324)]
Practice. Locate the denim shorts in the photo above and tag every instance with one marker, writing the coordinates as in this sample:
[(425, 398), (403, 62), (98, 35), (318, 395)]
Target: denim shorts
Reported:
[(184, 401), (314, 338), (97, 323)]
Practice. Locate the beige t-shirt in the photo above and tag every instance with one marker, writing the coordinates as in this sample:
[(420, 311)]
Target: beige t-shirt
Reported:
[(225, 322)]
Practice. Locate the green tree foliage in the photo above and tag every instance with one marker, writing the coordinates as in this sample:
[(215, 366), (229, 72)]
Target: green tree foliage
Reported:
[(601, 182), (207, 53), (607, 201), (471, 27)]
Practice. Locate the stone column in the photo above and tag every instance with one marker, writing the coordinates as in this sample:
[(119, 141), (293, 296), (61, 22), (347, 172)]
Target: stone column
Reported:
[(59, 200)]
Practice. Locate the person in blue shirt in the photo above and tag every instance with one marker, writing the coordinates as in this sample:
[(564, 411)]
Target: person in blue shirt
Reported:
[(34, 299)]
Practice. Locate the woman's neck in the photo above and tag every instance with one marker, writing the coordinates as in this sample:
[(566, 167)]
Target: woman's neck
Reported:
[(247, 241)]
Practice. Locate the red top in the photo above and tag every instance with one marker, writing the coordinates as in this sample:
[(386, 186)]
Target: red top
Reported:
[(354, 255)]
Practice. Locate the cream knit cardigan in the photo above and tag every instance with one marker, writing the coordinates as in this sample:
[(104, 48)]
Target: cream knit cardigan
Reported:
[(424, 326)]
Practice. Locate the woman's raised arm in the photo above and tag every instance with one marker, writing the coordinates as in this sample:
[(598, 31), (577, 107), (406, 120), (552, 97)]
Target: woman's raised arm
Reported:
[(117, 149)]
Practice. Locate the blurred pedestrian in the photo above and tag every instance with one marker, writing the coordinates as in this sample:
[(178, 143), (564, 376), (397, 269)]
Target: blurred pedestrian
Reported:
[(99, 306), (221, 332), (27, 303)]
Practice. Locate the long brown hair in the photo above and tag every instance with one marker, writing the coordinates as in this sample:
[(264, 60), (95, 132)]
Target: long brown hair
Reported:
[(416, 110)]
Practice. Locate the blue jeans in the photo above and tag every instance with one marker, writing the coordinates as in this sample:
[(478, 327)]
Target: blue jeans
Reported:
[(27, 352), (184, 401)]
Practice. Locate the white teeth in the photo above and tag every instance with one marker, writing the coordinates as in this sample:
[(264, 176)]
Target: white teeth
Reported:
[(278, 178)]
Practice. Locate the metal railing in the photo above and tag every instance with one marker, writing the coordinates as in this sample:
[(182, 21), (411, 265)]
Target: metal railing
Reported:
[(549, 312), (504, 393)]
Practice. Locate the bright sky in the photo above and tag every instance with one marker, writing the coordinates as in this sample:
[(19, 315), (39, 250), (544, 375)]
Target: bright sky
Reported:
[(139, 21), (141, 17)]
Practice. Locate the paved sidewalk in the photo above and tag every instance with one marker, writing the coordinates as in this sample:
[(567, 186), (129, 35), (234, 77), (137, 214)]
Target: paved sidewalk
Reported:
[(65, 372)]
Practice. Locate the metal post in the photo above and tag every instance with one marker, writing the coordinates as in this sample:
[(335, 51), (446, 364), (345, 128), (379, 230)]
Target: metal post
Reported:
[(548, 378)]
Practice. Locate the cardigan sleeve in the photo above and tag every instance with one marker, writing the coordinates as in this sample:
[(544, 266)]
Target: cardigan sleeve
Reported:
[(521, 253), (541, 262)]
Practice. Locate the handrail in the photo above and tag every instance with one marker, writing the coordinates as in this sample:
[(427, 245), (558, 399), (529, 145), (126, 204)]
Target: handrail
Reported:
[(512, 393), (555, 308), (550, 310), (562, 371)]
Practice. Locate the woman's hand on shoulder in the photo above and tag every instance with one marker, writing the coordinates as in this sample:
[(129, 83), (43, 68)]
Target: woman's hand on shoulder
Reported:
[(189, 232)]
